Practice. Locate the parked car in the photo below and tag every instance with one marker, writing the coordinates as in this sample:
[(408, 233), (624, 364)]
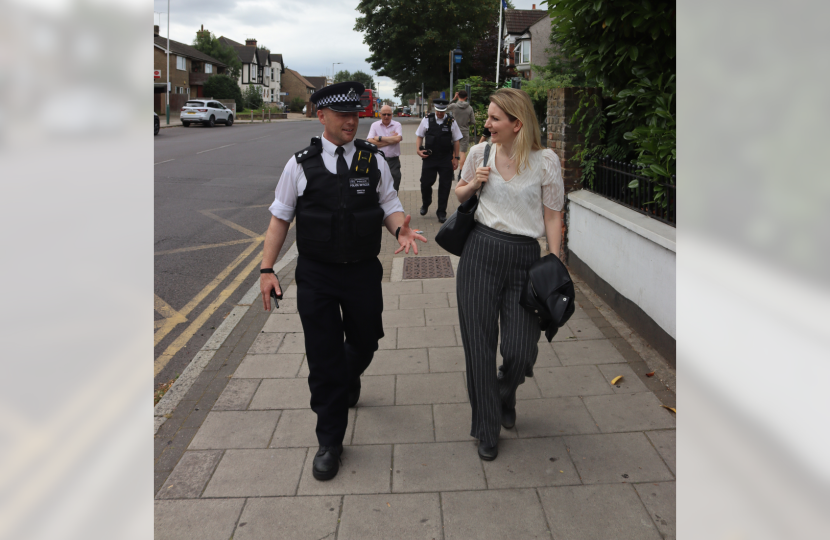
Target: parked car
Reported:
[(207, 112), (157, 124)]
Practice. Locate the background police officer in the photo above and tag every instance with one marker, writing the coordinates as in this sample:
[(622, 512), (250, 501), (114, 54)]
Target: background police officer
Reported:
[(441, 139), (340, 190)]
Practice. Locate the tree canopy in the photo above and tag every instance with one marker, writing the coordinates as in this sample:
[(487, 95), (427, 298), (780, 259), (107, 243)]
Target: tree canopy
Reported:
[(410, 41), (210, 45), (223, 87), (357, 76)]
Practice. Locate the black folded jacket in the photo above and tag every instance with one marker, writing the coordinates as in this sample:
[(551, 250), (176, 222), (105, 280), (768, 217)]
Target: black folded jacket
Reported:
[(549, 294)]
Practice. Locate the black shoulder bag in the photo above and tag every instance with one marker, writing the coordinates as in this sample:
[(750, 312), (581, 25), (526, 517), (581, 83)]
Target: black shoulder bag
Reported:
[(453, 233)]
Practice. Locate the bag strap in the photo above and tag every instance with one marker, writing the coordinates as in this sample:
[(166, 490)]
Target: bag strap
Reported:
[(484, 164)]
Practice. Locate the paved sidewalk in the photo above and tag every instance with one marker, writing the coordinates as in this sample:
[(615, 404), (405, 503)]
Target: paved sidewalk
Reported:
[(586, 459)]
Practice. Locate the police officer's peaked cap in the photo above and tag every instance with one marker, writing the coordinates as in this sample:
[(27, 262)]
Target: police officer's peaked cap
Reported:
[(440, 104), (340, 97)]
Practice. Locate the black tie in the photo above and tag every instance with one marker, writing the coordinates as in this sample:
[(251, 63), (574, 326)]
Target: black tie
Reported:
[(342, 168)]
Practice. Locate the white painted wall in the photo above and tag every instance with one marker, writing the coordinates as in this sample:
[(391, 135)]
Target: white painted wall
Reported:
[(635, 254)]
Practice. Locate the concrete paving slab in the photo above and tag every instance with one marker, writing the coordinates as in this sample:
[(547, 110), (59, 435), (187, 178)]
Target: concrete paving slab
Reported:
[(296, 429), (389, 340), (398, 288), (660, 501), (390, 303), (293, 342), (191, 475), (393, 362), (530, 463), (629, 412), (303, 373), (450, 466), (297, 518), (458, 339), (579, 313), (630, 382), (546, 356), (441, 285), (278, 322), (266, 343), (257, 473), (396, 424), (597, 513), (453, 300), (549, 417), (571, 381), (383, 517), (666, 444), (363, 469), (290, 291), (446, 359), (442, 316), (616, 457), (282, 394), (422, 301), (563, 334), (436, 336), (269, 366), (528, 390), (452, 423), (598, 351), (377, 391), (236, 429), (585, 329), (493, 515), (428, 388), (237, 395), (196, 519), (403, 318)]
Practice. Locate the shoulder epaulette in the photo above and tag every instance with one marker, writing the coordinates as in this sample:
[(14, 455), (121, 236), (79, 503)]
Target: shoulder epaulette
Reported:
[(311, 150), (366, 145)]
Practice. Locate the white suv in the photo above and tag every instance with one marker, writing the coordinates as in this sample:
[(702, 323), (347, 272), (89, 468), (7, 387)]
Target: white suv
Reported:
[(206, 111)]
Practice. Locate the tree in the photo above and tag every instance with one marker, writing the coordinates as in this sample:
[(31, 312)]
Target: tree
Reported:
[(358, 76), (297, 104), (223, 87), (210, 45), (253, 99), (410, 41)]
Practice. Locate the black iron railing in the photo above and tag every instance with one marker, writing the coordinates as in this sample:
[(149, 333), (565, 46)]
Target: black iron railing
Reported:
[(615, 180)]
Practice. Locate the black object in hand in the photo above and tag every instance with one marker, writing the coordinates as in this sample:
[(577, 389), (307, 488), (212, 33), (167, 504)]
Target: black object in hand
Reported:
[(427, 152), (274, 298)]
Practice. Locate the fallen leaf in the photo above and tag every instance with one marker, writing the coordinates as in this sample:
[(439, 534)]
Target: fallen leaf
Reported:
[(650, 374), (389, 505), (562, 471), (672, 409), (616, 379)]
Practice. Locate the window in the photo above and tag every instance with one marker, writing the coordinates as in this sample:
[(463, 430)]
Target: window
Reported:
[(267, 72), (181, 63), (521, 52), (208, 68), (272, 94), (252, 73)]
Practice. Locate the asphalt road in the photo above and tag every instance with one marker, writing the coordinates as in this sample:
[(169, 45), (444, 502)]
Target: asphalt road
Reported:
[(213, 187)]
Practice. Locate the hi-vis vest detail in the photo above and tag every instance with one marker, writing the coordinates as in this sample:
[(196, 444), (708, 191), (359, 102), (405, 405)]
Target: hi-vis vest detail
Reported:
[(438, 137), (339, 218)]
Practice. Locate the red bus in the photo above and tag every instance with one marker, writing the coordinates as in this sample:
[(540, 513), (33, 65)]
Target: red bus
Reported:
[(370, 104)]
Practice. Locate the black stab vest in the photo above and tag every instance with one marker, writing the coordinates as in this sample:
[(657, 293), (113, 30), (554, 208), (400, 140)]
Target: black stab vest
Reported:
[(438, 137), (339, 218)]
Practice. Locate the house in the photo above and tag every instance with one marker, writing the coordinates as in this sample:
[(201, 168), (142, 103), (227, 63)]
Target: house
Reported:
[(525, 36), (189, 69), (295, 85), (256, 66), (277, 71), (318, 82)]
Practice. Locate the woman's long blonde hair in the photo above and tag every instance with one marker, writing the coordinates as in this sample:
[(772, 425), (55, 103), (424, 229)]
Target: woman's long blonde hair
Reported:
[(517, 105)]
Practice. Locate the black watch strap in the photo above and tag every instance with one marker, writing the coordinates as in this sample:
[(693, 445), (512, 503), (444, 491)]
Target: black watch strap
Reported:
[(397, 233), (266, 270)]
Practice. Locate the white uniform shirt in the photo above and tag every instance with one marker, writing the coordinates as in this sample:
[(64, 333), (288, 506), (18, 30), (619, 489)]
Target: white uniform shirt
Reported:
[(293, 182), (424, 126)]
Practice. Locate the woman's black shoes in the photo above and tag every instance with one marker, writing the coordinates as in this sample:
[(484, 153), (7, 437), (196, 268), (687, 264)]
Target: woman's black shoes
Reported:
[(327, 462), (508, 416), (486, 452)]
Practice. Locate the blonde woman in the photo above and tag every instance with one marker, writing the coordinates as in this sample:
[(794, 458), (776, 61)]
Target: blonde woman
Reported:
[(521, 200)]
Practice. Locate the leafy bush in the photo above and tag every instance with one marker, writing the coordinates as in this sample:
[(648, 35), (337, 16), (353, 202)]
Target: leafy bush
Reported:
[(224, 87), (297, 104), (253, 99), (209, 44)]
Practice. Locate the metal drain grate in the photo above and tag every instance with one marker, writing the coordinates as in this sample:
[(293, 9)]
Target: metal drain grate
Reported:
[(427, 267)]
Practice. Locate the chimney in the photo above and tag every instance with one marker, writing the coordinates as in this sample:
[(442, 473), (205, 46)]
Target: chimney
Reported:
[(202, 32), (534, 6), (155, 29), (250, 43)]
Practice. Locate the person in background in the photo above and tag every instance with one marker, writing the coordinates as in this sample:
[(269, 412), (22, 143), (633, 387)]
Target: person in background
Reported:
[(522, 200), (387, 135), (439, 135), (465, 117)]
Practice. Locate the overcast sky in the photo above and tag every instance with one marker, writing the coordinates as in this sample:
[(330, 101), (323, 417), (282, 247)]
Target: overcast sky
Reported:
[(310, 35)]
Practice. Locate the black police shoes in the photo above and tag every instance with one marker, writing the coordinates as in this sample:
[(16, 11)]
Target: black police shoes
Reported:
[(508, 416), (488, 453), (354, 392), (442, 217), (423, 209), (327, 462)]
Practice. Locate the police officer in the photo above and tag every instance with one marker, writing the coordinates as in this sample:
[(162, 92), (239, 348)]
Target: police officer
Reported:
[(439, 135), (340, 190)]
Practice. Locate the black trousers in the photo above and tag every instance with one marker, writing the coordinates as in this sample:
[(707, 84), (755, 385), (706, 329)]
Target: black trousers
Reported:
[(441, 167), (323, 290)]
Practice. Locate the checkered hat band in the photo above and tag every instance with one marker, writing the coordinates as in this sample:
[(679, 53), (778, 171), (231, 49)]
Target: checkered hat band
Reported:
[(337, 98)]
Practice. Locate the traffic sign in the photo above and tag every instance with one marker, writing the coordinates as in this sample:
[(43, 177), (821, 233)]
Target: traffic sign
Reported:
[(157, 74)]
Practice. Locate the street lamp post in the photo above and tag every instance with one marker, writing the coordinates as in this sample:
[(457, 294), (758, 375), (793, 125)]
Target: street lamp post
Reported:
[(167, 91), (332, 70), (456, 59)]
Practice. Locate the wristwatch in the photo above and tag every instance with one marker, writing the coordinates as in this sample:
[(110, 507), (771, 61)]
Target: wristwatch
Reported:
[(380, 138), (455, 157), (397, 232)]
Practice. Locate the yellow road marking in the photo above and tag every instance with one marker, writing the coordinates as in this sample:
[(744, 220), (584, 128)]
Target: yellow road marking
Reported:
[(208, 246), (197, 323), (230, 224)]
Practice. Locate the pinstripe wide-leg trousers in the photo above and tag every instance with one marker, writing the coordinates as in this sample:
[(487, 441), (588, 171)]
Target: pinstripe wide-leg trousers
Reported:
[(491, 274)]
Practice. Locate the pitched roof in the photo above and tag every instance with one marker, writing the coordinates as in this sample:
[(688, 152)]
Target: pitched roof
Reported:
[(302, 79), (277, 58), (186, 50), (318, 82), (517, 21), (245, 54)]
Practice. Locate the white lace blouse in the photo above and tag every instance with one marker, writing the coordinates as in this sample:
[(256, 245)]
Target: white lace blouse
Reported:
[(515, 206)]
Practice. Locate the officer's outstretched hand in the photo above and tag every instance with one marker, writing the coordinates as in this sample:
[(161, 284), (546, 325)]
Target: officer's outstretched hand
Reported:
[(407, 236)]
